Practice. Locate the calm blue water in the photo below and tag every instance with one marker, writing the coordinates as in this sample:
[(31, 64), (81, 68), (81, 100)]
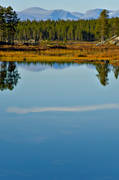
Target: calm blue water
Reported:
[(59, 122)]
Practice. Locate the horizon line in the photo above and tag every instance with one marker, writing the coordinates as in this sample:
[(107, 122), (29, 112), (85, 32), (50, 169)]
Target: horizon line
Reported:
[(96, 8)]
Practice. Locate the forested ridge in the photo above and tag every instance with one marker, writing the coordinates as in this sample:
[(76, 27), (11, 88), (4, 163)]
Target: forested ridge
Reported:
[(11, 28)]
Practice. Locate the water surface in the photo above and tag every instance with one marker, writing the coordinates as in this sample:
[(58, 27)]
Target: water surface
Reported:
[(59, 121)]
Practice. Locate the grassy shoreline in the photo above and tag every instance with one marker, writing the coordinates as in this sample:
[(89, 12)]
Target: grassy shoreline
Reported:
[(73, 52)]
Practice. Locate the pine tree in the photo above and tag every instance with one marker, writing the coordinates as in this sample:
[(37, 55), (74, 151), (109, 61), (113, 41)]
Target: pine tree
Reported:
[(103, 21), (11, 23)]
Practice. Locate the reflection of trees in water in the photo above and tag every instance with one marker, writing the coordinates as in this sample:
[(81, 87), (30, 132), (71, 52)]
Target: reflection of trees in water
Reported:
[(116, 71), (8, 75), (103, 70)]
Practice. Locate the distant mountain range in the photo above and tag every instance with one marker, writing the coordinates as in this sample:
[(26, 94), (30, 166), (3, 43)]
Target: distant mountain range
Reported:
[(37, 13)]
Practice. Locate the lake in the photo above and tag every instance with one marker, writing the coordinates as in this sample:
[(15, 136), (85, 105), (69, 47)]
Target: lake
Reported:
[(59, 121)]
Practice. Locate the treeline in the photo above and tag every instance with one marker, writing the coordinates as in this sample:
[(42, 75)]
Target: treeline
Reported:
[(35, 31), (8, 24), (81, 30), (56, 30)]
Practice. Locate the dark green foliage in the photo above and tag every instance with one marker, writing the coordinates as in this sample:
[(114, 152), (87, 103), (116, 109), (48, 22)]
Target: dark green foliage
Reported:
[(36, 31), (8, 24), (103, 24), (81, 30)]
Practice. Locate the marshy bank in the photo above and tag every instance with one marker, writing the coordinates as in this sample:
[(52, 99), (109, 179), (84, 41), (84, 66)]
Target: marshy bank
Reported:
[(54, 52)]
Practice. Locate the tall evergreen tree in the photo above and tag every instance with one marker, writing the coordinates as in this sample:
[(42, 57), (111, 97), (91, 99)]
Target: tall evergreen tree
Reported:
[(103, 20), (2, 23), (11, 23)]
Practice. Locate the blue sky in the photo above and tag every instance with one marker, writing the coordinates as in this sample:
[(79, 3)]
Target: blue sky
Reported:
[(72, 5)]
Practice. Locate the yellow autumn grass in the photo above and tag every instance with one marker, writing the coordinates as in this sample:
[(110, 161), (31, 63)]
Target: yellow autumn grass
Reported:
[(74, 53)]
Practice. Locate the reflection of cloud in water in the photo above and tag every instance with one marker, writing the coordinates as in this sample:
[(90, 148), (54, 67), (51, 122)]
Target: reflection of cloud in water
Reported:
[(34, 67), (41, 67), (18, 110)]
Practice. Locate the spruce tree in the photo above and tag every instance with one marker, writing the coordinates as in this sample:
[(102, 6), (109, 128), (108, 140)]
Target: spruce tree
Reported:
[(103, 22)]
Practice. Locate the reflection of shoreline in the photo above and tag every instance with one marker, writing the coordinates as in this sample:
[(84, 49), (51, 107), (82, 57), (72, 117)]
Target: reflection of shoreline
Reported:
[(103, 69), (9, 74)]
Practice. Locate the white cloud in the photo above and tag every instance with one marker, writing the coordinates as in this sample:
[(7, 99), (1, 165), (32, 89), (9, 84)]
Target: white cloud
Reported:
[(18, 110)]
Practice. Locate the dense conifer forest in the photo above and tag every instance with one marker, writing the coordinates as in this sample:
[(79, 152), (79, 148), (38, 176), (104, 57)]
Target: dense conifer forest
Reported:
[(81, 30), (11, 28)]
